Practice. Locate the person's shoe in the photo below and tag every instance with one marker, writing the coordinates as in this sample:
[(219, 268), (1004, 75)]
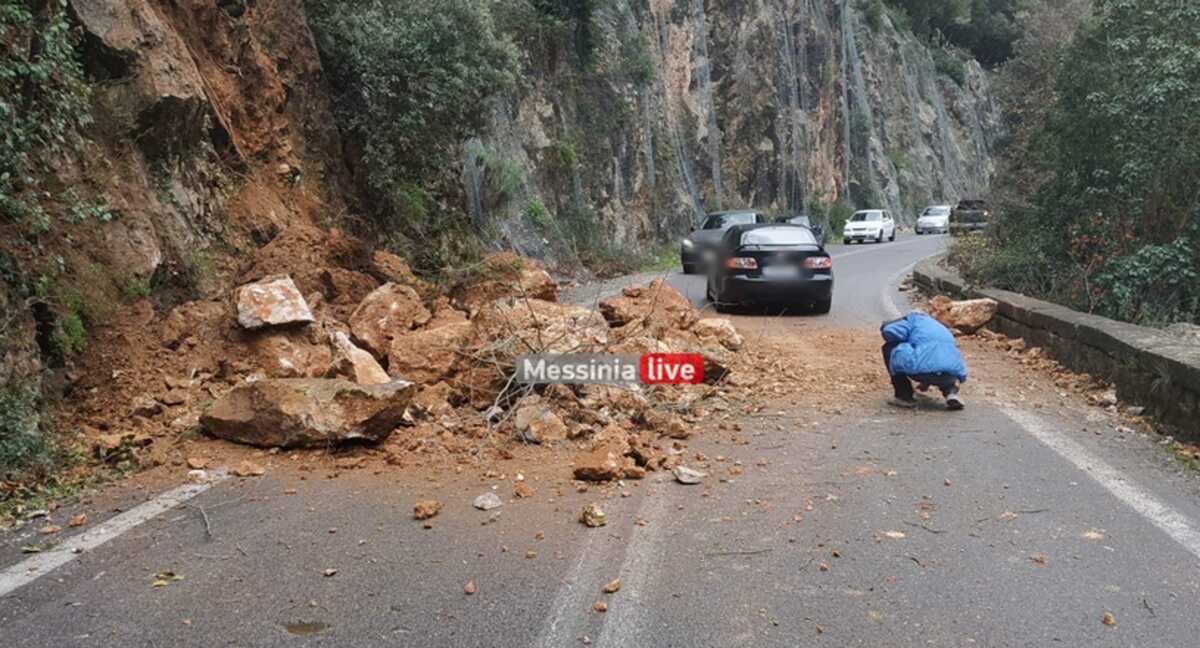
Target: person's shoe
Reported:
[(896, 401), (954, 403)]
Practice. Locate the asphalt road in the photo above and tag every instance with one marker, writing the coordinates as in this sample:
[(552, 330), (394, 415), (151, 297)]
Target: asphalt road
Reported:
[(997, 526)]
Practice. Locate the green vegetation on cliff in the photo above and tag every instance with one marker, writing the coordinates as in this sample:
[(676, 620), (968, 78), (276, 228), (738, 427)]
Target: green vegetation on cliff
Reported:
[(1097, 196)]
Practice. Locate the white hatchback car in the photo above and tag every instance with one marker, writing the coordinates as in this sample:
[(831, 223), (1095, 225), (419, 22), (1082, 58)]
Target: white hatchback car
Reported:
[(935, 219), (869, 225)]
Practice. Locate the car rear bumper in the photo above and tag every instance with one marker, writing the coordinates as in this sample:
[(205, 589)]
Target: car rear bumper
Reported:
[(756, 290), (862, 236)]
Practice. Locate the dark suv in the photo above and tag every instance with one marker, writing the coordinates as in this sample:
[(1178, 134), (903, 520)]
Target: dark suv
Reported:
[(969, 216)]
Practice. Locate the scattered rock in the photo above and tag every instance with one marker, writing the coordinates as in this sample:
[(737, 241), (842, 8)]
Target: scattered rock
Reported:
[(522, 490), (537, 422), (145, 407), (77, 520), (469, 588), (1108, 619), (612, 586), (307, 412), (329, 573), (174, 397), (273, 301), (248, 468), (722, 330), (963, 316), (487, 502), (433, 401), (685, 475), (601, 464), (600, 606), (50, 529), (353, 363), (390, 311), (197, 463), (593, 516), (426, 509), (655, 307)]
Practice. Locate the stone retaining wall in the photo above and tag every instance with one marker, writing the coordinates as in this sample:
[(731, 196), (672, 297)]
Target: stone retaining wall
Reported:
[(1149, 367)]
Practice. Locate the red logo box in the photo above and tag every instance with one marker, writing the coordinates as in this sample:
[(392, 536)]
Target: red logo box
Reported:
[(671, 369)]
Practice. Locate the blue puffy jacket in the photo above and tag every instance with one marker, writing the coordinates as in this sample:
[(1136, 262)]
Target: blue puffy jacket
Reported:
[(923, 346)]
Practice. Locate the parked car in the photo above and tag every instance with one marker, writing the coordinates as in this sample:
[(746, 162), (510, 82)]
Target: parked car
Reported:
[(698, 246), (869, 225), (934, 220), (771, 264), (969, 216), (805, 220)]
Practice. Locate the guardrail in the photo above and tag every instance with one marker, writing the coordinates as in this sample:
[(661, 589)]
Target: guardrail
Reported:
[(1149, 367)]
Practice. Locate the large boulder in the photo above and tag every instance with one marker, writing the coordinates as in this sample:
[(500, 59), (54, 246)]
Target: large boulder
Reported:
[(304, 412), (428, 355), (965, 316), (655, 307), (390, 311), (353, 363), (273, 301), (291, 354)]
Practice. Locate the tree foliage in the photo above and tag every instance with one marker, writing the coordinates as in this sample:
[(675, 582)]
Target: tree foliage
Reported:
[(411, 79), (43, 100), (986, 28), (1098, 185)]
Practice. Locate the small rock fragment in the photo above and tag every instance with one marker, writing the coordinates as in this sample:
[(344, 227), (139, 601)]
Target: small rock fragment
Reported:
[(197, 463), (612, 586), (78, 520), (330, 572), (593, 516), (487, 502), (249, 469), (469, 588), (426, 509), (523, 490), (600, 606), (1109, 620), (685, 475)]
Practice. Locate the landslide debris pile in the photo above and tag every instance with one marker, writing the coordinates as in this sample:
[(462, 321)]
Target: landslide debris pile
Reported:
[(323, 342)]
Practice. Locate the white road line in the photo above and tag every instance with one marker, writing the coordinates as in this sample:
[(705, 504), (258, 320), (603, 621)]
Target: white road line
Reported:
[(39, 565), (885, 296), (1172, 522), (574, 599), (626, 618)]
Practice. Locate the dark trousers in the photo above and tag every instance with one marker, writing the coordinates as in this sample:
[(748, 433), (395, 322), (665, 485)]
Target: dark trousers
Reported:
[(902, 383)]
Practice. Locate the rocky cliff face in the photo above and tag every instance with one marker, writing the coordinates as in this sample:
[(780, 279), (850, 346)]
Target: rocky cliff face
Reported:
[(700, 105)]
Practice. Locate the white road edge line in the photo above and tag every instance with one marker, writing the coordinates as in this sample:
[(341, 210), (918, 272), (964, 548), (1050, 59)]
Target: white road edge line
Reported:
[(39, 565), (574, 600), (1161, 515), (1178, 526)]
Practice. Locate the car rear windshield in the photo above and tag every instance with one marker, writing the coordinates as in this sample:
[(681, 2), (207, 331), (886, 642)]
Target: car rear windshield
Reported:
[(936, 211), (779, 236), (867, 216), (799, 220), (725, 221)]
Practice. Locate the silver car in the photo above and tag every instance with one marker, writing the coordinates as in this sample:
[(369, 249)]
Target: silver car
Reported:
[(934, 220)]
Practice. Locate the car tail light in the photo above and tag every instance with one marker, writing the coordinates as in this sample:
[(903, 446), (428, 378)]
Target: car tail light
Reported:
[(818, 263), (741, 263)]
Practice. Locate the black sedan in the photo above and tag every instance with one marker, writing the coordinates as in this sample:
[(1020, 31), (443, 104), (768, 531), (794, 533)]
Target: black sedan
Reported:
[(771, 264), (699, 246)]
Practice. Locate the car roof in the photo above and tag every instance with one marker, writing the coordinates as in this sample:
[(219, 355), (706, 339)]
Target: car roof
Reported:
[(868, 211), (734, 211)]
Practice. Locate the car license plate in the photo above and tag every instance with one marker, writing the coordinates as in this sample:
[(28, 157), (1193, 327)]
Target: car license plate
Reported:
[(781, 272)]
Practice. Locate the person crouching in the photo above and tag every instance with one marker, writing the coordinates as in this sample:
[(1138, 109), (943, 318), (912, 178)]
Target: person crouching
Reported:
[(918, 348)]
